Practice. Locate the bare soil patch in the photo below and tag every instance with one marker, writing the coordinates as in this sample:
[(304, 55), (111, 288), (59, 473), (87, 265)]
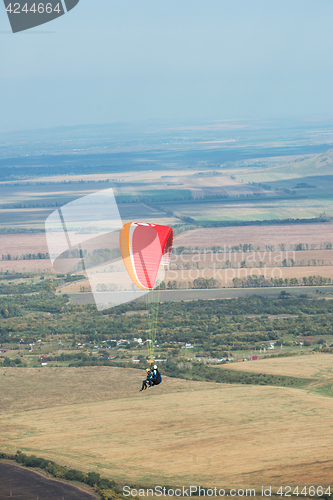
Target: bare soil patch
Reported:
[(18, 244), (18, 482), (258, 235)]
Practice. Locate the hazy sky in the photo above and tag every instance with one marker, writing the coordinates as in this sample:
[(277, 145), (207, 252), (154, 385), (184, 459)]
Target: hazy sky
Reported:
[(123, 60)]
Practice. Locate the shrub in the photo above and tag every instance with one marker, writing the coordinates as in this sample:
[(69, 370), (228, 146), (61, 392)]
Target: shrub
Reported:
[(92, 478), (74, 475)]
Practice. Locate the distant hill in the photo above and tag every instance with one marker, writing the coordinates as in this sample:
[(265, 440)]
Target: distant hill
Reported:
[(320, 164), (290, 174)]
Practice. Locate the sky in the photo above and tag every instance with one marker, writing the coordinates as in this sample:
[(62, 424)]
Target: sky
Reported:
[(109, 60)]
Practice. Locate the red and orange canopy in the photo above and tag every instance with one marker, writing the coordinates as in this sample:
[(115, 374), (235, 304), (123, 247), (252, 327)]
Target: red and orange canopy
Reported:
[(144, 248)]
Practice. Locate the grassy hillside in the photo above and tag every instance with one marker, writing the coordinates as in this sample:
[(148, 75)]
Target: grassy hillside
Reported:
[(193, 433), (33, 388), (308, 165), (318, 366)]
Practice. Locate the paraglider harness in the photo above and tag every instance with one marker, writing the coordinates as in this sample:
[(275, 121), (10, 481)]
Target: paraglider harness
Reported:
[(148, 380), (153, 378), (156, 376)]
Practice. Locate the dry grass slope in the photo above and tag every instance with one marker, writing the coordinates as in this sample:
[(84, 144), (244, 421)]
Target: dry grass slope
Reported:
[(35, 388), (318, 366), (193, 433)]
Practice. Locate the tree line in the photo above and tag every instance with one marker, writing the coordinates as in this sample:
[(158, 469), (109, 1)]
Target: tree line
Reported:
[(26, 256), (106, 488)]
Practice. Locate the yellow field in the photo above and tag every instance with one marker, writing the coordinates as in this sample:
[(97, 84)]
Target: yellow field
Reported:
[(319, 366), (180, 433)]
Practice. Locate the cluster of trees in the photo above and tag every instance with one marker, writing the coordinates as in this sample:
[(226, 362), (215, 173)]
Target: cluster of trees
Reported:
[(198, 283), (158, 196), (21, 305), (19, 230), (19, 288), (212, 197), (242, 247), (101, 256), (12, 275), (247, 282), (26, 256), (272, 222), (17, 362), (48, 183), (261, 281), (206, 283), (216, 325), (81, 359), (234, 264), (10, 311), (29, 205)]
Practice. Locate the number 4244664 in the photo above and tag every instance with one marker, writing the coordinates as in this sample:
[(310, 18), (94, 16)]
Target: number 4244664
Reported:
[(36, 8), (312, 491)]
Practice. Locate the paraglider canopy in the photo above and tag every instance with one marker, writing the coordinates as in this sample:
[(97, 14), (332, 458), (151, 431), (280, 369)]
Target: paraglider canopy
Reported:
[(144, 248)]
